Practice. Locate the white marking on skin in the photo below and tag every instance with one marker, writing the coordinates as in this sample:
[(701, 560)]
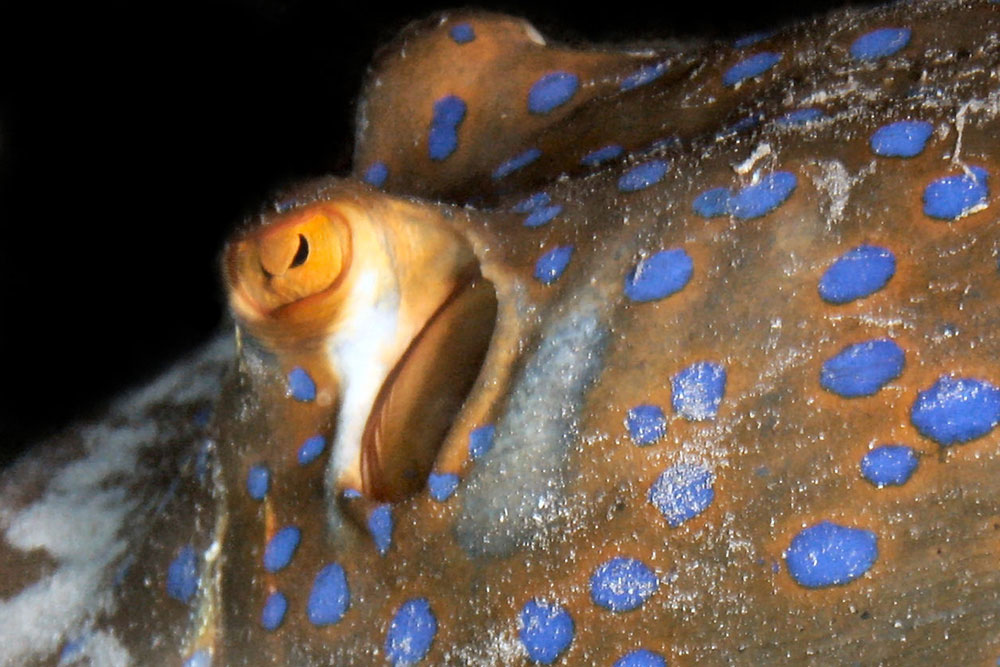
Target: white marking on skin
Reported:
[(103, 649), (836, 182), (77, 521), (956, 158), (209, 604), (533, 34), (180, 385), (494, 647), (81, 516), (761, 151), (972, 106), (359, 356)]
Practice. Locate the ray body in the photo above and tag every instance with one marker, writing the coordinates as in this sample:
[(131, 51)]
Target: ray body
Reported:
[(738, 405)]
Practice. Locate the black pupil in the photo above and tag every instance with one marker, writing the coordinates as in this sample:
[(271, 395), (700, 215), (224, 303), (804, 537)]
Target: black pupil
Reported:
[(301, 254)]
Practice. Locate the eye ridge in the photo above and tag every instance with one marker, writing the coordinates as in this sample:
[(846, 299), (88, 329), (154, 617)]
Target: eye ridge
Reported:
[(302, 254)]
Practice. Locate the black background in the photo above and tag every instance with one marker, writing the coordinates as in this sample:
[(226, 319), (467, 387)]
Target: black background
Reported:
[(133, 135)]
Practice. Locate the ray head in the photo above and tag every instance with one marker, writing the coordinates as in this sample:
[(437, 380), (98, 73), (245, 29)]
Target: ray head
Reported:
[(371, 312)]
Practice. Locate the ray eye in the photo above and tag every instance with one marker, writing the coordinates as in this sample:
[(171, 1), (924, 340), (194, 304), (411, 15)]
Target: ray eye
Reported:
[(301, 254)]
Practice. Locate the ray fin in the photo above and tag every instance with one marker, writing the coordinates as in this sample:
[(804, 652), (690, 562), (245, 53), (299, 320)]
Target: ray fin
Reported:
[(455, 97)]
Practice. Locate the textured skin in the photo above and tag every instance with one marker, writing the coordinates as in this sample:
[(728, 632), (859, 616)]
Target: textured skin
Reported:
[(564, 488)]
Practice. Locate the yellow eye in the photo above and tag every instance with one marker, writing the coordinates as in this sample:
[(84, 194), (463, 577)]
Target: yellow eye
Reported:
[(273, 255), (298, 258), (274, 270)]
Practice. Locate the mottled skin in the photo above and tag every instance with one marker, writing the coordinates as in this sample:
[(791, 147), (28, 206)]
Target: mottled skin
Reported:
[(564, 488)]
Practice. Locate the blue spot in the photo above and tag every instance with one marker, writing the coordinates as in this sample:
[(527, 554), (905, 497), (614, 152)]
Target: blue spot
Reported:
[(203, 417), (552, 90), (274, 611), (903, 139), (481, 440), (800, 117), (73, 649), (601, 155), (542, 215), (311, 449), (258, 481), (863, 368), (660, 275), (762, 197), (646, 424), (880, 43), (750, 67), (182, 575), (952, 197), (330, 596), (551, 265), (201, 658), (517, 162), (641, 658), (411, 632), (889, 465), (532, 202), (287, 204), (827, 554), (546, 630), (643, 75), (642, 176), (712, 203), (442, 485), (744, 124), (123, 569), (300, 385), (442, 139), (462, 33), (376, 174), (281, 547), (622, 584), (698, 389), (956, 410), (380, 526), (203, 460), (857, 273), (351, 494), (682, 492), (752, 38)]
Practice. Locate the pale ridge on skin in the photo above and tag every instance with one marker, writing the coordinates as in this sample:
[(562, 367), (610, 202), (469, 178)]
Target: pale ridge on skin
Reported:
[(517, 489)]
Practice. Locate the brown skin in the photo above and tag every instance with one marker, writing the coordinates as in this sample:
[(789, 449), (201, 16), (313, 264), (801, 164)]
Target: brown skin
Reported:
[(784, 452)]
